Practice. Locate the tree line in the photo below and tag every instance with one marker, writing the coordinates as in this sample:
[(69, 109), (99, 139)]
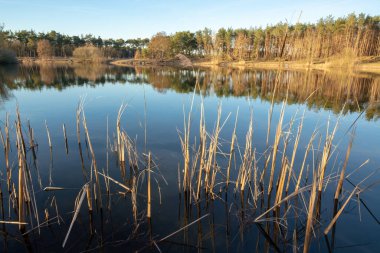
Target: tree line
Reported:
[(26, 44), (352, 35)]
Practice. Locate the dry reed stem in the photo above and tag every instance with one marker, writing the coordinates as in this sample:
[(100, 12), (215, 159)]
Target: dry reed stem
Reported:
[(21, 177), (278, 74), (99, 192), (52, 188), (116, 182), (326, 154), (32, 147), (202, 148), (120, 142), (185, 146), (246, 165), (232, 148), (309, 145), (183, 228), (78, 206), (281, 183), (148, 213), (6, 144), (48, 135), (326, 231), (78, 113), (21, 211), (284, 165), (134, 200), (310, 214), (211, 159), (295, 147), (89, 199), (275, 147), (343, 171), (13, 222)]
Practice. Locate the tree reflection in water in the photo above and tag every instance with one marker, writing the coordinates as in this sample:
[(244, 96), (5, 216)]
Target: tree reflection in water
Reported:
[(318, 89)]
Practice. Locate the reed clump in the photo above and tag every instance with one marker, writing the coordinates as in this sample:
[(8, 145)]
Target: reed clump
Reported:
[(294, 170), (294, 198)]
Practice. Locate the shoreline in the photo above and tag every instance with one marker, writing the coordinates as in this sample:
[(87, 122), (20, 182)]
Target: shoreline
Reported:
[(371, 66), (60, 60), (361, 65)]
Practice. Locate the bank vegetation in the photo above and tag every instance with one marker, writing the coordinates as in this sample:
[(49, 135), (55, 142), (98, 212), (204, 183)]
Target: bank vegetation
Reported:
[(342, 41)]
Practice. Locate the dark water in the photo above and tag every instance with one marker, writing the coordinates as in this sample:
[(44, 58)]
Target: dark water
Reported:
[(156, 98)]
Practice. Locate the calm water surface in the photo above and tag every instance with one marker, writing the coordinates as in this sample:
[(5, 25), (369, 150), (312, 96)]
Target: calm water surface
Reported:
[(157, 99)]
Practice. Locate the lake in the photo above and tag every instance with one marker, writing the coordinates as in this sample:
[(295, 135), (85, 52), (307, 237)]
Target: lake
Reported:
[(215, 218)]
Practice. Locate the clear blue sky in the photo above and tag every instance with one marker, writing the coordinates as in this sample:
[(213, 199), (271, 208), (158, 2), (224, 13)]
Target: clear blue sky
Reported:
[(143, 18)]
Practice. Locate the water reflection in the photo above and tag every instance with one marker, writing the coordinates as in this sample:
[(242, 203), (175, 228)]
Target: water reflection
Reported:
[(317, 89), (219, 222)]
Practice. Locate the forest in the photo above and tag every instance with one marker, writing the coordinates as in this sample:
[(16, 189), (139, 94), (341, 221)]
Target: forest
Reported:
[(352, 36)]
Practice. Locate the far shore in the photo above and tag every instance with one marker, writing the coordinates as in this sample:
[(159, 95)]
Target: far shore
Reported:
[(57, 60), (359, 65), (367, 65)]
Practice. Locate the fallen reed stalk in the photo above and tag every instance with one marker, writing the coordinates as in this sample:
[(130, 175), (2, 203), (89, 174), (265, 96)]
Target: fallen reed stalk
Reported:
[(52, 188), (76, 212), (328, 228), (13, 222), (116, 182), (183, 228)]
